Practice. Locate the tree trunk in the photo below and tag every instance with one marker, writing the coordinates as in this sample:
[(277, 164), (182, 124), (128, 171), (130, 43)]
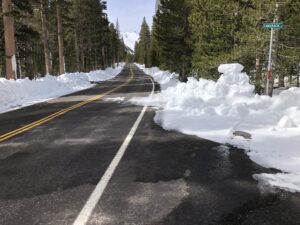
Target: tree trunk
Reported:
[(77, 51), (9, 36), (118, 54), (45, 31), (1, 68), (183, 77), (82, 56), (257, 78), (113, 57), (20, 72), (95, 60), (103, 58), (281, 80), (29, 71), (89, 66), (298, 76), (60, 39)]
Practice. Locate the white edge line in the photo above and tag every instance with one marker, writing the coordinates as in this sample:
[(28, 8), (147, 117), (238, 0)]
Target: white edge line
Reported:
[(94, 198)]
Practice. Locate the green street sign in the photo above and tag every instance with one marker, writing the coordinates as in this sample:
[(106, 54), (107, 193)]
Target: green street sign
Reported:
[(273, 25)]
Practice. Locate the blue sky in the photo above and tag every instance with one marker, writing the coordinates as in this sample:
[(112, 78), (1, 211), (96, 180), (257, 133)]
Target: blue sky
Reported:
[(130, 13)]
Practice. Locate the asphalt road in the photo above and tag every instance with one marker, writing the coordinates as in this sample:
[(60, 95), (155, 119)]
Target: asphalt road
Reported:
[(48, 172)]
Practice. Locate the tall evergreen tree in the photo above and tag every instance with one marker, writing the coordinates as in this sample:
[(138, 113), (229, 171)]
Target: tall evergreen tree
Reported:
[(212, 24), (143, 47), (173, 35), (155, 51), (289, 43), (136, 51), (87, 43), (229, 31)]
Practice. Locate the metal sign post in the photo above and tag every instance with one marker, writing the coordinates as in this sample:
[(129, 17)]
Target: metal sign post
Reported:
[(270, 62), (272, 26)]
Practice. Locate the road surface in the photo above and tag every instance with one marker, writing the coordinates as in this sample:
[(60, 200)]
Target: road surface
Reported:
[(57, 156)]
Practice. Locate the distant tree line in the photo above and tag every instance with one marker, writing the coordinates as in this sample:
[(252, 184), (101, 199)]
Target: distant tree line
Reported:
[(55, 36), (195, 36)]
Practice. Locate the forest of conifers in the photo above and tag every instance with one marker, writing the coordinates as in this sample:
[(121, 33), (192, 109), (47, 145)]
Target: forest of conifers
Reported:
[(195, 36), (54, 36), (191, 37)]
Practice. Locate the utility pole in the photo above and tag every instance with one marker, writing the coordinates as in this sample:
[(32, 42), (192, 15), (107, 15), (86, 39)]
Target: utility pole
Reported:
[(9, 37), (273, 26), (269, 76)]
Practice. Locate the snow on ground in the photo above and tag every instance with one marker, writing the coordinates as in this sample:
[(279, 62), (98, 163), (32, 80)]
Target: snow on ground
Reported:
[(116, 99), (130, 38), (216, 110), (23, 92)]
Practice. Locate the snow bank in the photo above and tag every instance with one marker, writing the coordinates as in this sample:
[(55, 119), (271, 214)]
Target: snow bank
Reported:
[(216, 110), (23, 92), (164, 78)]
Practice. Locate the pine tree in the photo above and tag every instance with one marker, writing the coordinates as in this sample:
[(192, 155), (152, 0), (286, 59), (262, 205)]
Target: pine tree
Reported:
[(29, 45), (143, 47), (213, 33), (92, 41), (155, 52), (229, 31), (87, 42), (173, 35), (289, 42), (136, 51), (252, 40)]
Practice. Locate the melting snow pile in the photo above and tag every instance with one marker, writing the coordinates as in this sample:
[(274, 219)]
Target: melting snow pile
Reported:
[(216, 110), (23, 92)]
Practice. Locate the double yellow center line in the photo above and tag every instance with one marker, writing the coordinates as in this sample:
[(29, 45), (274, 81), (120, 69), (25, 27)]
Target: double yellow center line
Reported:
[(61, 112)]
